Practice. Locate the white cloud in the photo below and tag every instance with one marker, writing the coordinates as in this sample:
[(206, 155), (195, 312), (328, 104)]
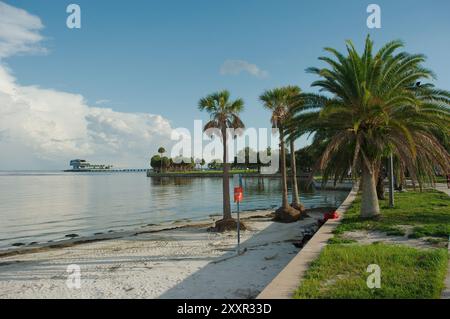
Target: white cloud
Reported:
[(48, 128), (102, 102), (44, 128), (235, 67), (19, 31)]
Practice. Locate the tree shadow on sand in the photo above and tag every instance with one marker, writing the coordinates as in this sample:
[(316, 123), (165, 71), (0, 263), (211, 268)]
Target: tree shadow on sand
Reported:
[(244, 276)]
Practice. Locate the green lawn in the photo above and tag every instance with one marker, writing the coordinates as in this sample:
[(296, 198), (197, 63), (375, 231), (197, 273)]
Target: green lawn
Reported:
[(427, 212), (406, 272)]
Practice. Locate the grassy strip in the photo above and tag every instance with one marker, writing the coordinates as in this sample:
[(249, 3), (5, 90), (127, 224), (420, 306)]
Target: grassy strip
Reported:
[(428, 212), (406, 272), (340, 272)]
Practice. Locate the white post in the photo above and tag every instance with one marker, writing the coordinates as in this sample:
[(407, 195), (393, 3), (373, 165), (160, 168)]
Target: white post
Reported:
[(391, 181), (238, 230), (237, 183)]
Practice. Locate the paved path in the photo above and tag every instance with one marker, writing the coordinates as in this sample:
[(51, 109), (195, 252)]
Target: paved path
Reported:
[(446, 293), (286, 283)]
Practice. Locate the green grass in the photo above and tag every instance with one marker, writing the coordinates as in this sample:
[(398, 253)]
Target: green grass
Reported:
[(406, 272), (427, 212), (340, 272)]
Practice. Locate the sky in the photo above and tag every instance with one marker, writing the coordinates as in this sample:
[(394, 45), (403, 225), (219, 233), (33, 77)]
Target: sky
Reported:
[(114, 90)]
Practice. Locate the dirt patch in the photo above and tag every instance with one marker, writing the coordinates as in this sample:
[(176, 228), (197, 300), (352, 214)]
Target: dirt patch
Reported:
[(369, 237)]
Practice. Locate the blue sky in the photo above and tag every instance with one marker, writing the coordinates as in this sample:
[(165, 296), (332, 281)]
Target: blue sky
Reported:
[(160, 57)]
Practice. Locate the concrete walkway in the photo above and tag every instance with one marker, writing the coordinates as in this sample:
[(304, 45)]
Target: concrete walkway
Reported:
[(446, 293), (286, 283)]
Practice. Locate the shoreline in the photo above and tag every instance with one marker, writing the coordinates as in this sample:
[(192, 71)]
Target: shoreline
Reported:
[(182, 261), (113, 234), (72, 240)]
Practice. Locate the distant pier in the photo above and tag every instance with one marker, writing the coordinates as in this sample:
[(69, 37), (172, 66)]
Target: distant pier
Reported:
[(83, 166), (115, 170)]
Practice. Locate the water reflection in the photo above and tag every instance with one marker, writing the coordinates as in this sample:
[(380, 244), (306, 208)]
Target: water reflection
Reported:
[(158, 181), (41, 207)]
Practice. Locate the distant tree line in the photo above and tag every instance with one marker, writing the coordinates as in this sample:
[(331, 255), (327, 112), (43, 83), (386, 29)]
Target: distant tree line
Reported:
[(305, 160)]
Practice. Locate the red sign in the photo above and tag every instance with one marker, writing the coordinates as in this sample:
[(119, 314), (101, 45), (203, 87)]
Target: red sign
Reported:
[(238, 194), (332, 215)]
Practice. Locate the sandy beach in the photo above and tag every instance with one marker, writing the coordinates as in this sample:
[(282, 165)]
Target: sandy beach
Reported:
[(185, 261)]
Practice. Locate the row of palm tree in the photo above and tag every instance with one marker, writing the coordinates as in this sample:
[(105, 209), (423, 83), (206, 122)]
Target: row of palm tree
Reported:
[(280, 101), (376, 104), (224, 115), (369, 106)]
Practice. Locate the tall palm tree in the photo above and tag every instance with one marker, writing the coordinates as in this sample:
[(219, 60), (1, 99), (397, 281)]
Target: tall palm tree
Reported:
[(375, 105), (293, 92), (277, 101), (224, 115)]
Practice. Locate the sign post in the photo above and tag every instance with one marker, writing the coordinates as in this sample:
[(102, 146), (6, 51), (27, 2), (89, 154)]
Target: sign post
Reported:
[(238, 197)]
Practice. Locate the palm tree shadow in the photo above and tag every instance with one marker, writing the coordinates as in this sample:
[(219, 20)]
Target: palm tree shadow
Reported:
[(244, 276)]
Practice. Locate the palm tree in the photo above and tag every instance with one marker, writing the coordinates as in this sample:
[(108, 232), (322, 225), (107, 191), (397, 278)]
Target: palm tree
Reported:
[(161, 151), (375, 106), (278, 102), (294, 91), (224, 115)]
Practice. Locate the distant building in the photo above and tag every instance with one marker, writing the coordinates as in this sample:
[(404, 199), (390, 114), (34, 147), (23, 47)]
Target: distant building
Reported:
[(83, 165)]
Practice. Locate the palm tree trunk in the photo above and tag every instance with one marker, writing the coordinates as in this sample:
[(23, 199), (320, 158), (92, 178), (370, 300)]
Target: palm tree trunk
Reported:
[(369, 199), (226, 178), (295, 197), (285, 200)]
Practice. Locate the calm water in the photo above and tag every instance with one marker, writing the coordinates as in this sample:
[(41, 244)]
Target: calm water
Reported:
[(38, 207)]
